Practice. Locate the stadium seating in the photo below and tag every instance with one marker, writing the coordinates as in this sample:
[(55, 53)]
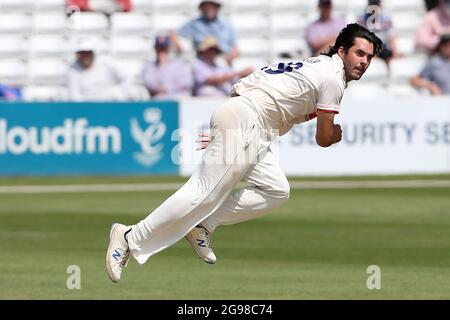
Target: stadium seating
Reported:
[(17, 5), (47, 71), (417, 6), (250, 23), (15, 23), (142, 6), (173, 5), (289, 23), (403, 69), (357, 6), (365, 90), (293, 5), (101, 44), (45, 93), (13, 71), (296, 46), (131, 47), (88, 23), (377, 71), (255, 62), (131, 23), (403, 90), (254, 46), (35, 34), (50, 22), (49, 5), (50, 46), (13, 47), (405, 23), (134, 67), (248, 5), (168, 21), (406, 45)]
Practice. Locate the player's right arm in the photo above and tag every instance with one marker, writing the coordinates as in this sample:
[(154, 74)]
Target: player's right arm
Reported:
[(327, 132)]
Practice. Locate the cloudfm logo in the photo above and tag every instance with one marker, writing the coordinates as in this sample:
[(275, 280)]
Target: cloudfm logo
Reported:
[(74, 136)]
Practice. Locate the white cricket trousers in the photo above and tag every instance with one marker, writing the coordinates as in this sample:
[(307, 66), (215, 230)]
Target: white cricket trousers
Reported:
[(239, 150)]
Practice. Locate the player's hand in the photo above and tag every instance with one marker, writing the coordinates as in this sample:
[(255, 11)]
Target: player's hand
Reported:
[(435, 89), (245, 72), (203, 140), (337, 133)]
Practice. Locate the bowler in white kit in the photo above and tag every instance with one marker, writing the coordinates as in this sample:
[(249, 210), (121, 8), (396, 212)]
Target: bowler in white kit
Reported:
[(262, 105)]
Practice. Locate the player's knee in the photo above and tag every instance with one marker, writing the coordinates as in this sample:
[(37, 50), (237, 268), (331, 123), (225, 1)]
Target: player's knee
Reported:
[(282, 191), (285, 192)]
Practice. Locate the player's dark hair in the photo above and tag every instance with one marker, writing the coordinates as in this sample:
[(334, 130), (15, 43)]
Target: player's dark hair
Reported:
[(347, 36)]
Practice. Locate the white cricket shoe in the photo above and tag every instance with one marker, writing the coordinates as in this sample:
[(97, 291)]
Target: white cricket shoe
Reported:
[(200, 240), (118, 251)]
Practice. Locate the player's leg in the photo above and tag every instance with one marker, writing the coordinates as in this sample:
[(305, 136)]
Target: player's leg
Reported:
[(221, 169), (268, 189)]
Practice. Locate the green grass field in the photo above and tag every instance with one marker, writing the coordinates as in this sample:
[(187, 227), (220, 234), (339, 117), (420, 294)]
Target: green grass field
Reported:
[(317, 246)]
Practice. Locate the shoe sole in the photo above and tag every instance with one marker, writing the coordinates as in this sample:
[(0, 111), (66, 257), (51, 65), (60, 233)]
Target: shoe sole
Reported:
[(112, 233), (192, 241)]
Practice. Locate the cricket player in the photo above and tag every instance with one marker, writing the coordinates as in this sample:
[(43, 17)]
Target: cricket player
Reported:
[(262, 105)]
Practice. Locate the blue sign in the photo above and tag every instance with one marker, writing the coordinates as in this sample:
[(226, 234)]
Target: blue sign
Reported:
[(88, 138)]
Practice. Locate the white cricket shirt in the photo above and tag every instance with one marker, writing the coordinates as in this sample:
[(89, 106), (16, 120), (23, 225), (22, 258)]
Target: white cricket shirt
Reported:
[(285, 94)]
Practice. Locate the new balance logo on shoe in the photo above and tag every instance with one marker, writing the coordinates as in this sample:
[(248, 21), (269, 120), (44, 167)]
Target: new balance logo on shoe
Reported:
[(116, 255), (201, 243)]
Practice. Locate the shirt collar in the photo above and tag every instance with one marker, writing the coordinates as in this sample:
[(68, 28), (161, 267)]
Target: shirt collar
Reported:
[(338, 59)]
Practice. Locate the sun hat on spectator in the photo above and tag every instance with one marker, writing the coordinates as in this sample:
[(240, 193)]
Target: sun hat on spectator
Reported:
[(208, 43), (85, 45)]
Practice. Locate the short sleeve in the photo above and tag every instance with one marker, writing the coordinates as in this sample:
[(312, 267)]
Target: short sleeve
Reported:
[(187, 30), (427, 71), (330, 95), (232, 35)]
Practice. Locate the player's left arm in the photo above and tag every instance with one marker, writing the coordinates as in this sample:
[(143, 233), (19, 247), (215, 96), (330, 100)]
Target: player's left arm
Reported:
[(327, 133), (328, 105)]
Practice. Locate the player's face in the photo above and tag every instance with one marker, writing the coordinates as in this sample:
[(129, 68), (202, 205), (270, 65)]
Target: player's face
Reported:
[(357, 59)]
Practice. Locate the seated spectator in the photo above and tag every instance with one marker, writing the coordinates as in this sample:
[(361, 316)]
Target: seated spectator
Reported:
[(10, 93), (323, 32), (436, 75), (96, 78), (431, 4), (381, 25), (433, 26), (209, 24), (210, 79), (166, 78), (106, 6)]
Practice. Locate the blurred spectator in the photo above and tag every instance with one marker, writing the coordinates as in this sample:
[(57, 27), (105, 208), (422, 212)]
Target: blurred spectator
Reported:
[(431, 4), (433, 26), (10, 93), (323, 32), (166, 78), (381, 25), (210, 79), (106, 6), (209, 24), (96, 78), (436, 75)]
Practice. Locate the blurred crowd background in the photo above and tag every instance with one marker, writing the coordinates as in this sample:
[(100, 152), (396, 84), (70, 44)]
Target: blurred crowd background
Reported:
[(133, 50)]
